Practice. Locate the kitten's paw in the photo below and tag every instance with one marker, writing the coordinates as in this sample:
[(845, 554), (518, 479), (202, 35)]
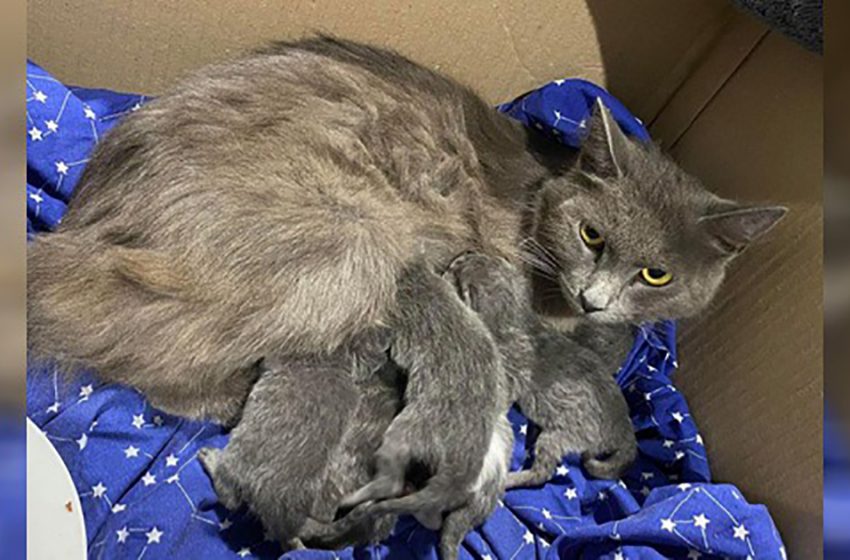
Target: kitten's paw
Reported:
[(491, 286), (524, 479)]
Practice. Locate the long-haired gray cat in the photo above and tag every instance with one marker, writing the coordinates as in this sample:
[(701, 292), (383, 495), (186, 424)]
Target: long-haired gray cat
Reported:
[(290, 200)]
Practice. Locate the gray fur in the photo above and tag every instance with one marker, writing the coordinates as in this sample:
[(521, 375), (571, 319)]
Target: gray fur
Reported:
[(650, 213), (307, 437), (566, 388)]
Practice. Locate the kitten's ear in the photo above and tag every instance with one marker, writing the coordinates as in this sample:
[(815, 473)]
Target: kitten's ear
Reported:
[(606, 146), (736, 227)]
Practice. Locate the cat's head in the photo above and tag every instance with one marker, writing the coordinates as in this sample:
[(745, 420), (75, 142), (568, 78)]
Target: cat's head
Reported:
[(627, 236)]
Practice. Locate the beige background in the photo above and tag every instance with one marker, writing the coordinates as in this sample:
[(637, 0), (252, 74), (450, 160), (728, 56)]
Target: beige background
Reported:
[(738, 105)]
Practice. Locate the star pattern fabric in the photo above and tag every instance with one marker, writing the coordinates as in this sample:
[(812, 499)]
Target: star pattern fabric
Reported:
[(144, 493)]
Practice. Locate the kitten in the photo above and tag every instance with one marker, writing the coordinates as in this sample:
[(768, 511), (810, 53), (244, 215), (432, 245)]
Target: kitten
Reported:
[(566, 388), (306, 438), (563, 386), (281, 204)]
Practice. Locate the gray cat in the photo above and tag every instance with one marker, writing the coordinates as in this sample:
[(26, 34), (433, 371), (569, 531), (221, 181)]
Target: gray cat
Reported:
[(284, 203)]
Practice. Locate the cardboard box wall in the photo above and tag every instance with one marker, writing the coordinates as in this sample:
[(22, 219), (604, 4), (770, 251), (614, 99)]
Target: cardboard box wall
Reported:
[(737, 104)]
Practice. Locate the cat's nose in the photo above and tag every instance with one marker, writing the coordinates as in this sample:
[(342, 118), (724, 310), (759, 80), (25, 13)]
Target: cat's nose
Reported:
[(586, 306)]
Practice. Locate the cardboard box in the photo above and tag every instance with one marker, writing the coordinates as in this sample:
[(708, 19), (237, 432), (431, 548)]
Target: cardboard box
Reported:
[(738, 105)]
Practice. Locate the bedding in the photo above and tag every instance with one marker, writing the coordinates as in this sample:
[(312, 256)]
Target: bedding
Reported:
[(145, 495)]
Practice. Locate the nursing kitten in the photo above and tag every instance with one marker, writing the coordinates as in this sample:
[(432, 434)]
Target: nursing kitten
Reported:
[(563, 386), (307, 437), (283, 203)]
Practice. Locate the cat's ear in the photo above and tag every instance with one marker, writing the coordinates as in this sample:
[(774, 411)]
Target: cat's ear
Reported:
[(605, 148), (737, 226)]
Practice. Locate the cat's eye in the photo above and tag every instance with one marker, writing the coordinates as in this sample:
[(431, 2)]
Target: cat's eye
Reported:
[(655, 276), (591, 237)]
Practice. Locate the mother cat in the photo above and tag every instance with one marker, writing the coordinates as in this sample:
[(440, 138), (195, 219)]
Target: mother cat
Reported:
[(292, 199)]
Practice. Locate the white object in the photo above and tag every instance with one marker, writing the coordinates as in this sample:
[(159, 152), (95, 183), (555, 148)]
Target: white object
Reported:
[(55, 527)]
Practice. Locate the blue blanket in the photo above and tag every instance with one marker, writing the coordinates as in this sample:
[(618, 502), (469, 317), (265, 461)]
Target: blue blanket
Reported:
[(144, 494)]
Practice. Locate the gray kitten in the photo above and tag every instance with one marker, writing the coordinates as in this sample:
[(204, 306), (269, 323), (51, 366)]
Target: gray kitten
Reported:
[(565, 387), (307, 437), (562, 385), (284, 203)]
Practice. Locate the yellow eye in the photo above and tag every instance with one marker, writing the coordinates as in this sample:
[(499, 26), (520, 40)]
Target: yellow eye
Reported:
[(591, 237), (655, 276)]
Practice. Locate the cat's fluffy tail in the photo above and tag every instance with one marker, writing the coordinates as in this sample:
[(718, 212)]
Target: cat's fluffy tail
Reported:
[(82, 295)]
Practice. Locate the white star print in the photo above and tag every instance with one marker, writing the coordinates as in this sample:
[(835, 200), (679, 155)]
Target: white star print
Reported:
[(89, 113), (35, 134), (244, 552), (558, 82), (546, 513), (619, 556), (647, 475), (602, 496), (138, 420), (61, 168), (118, 508), (131, 452), (645, 491), (699, 439), (98, 491), (173, 478), (486, 557), (647, 396), (83, 441), (562, 471), (171, 461), (37, 198), (40, 96), (701, 521), (668, 443), (225, 525), (694, 554), (678, 417), (51, 125), (122, 533), (570, 493), (157, 420), (93, 425), (136, 107), (85, 392), (153, 535), (149, 479), (528, 537), (680, 455), (523, 429), (668, 525), (684, 486), (53, 407), (741, 532)]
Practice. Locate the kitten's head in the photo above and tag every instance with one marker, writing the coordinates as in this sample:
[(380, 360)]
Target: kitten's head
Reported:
[(627, 236)]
